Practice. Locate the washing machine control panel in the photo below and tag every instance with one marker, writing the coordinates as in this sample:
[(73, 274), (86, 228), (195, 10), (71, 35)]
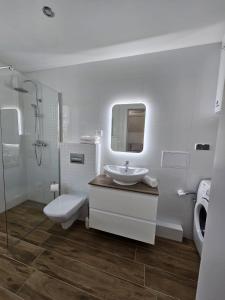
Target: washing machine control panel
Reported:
[(204, 189)]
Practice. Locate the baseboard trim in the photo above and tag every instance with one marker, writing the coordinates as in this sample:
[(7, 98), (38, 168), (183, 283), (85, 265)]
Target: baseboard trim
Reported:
[(170, 231)]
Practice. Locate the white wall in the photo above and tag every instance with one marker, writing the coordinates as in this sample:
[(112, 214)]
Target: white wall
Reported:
[(75, 177), (179, 89), (212, 270)]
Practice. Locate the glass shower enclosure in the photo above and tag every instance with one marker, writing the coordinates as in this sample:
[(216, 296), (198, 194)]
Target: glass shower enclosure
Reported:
[(29, 153)]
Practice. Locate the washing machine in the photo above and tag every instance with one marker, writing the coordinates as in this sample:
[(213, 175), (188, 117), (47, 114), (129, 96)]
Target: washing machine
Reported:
[(200, 213)]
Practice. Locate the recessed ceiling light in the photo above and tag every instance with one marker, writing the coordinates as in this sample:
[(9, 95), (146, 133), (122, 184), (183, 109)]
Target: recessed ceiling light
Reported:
[(48, 12)]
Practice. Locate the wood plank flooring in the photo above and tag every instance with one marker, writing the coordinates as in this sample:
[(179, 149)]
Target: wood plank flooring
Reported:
[(51, 263)]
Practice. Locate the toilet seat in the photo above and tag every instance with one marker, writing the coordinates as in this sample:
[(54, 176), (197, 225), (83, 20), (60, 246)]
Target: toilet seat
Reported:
[(64, 206)]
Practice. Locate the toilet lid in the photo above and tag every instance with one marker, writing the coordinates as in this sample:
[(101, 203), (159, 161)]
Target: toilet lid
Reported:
[(64, 205)]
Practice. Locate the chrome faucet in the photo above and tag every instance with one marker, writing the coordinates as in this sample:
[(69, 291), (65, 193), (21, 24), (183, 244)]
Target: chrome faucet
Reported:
[(126, 166)]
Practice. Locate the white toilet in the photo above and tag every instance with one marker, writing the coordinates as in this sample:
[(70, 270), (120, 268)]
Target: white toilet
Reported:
[(65, 209)]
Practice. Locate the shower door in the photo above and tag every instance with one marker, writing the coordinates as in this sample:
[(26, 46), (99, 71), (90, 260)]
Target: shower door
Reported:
[(3, 231), (30, 151)]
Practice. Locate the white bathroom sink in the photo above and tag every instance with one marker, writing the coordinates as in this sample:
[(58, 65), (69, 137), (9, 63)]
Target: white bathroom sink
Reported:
[(125, 176)]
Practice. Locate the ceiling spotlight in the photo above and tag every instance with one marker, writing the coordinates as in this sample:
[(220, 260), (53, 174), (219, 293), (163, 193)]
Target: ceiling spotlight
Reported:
[(48, 12)]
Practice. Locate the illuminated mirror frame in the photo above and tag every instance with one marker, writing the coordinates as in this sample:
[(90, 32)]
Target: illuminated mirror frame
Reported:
[(19, 117), (147, 121)]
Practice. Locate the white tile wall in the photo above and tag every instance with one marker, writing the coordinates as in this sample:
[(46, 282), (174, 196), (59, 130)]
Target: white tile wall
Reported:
[(23, 178), (39, 178), (75, 177)]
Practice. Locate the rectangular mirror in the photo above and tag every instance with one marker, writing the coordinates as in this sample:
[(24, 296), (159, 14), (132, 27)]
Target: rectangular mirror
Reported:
[(128, 125)]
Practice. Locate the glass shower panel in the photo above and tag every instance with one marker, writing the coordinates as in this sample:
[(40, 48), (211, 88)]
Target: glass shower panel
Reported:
[(11, 166), (41, 145), (3, 232), (30, 138)]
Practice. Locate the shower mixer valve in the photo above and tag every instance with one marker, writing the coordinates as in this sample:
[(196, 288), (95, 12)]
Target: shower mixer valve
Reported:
[(39, 143)]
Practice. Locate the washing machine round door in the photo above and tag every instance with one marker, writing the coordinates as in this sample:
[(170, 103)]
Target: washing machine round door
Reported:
[(200, 216)]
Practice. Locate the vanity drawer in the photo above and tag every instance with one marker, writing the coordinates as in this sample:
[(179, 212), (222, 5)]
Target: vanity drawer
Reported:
[(136, 205), (136, 229)]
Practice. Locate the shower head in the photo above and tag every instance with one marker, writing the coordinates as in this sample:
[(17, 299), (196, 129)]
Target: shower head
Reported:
[(16, 84), (20, 90), (31, 81)]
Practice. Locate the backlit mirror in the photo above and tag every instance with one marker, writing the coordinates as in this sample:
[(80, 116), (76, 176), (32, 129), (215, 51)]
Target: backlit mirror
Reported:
[(128, 124)]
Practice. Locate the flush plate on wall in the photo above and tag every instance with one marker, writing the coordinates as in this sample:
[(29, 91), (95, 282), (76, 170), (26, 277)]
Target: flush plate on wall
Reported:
[(77, 158), (175, 159)]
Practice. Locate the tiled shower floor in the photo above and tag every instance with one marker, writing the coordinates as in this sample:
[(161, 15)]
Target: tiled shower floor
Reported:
[(50, 263)]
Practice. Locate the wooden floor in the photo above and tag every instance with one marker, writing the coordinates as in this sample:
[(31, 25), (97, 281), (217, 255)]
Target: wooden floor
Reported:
[(50, 263)]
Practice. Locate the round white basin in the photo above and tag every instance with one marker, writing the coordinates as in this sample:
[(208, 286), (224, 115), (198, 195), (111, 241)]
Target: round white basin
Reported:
[(125, 176)]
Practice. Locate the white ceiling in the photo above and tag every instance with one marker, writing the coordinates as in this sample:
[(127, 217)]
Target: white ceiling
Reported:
[(90, 30)]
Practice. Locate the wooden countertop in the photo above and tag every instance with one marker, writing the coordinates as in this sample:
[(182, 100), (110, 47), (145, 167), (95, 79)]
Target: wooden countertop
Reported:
[(140, 187)]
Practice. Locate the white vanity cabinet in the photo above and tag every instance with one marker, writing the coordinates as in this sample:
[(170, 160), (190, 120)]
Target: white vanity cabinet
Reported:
[(129, 211)]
